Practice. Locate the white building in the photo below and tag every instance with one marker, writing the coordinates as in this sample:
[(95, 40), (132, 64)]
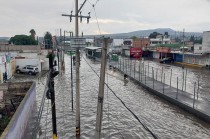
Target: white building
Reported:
[(160, 40), (206, 42), (198, 49)]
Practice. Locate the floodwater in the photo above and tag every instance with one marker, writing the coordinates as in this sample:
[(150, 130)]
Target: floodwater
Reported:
[(166, 121), (189, 80)]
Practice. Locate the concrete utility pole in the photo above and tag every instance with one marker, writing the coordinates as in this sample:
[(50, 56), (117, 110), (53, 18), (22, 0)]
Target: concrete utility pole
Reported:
[(72, 101), (101, 91), (77, 61), (77, 73)]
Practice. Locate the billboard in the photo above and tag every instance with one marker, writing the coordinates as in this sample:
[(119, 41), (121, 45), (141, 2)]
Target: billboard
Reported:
[(135, 52)]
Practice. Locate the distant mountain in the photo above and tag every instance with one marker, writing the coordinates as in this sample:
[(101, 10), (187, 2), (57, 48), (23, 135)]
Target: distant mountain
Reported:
[(146, 33), (4, 38)]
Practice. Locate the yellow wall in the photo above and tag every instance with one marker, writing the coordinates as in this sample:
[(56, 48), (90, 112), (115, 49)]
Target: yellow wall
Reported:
[(13, 66)]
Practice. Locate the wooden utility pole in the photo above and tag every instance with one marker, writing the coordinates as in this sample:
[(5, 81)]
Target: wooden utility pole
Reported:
[(101, 91)]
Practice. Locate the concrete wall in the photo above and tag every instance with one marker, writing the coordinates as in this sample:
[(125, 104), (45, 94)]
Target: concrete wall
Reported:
[(45, 64), (206, 42), (16, 129), (156, 55), (198, 59), (198, 48), (28, 55), (24, 48), (23, 62)]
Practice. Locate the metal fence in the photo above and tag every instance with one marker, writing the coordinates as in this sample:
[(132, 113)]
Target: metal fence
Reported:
[(158, 76)]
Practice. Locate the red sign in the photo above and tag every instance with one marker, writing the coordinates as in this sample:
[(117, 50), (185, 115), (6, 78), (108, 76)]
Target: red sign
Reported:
[(135, 52)]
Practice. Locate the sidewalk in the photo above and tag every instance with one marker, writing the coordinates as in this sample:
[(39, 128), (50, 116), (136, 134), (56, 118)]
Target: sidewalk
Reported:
[(185, 100)]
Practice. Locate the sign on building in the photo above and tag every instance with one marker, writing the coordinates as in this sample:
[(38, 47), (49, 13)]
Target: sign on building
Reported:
[(135, 52), (78, 42)]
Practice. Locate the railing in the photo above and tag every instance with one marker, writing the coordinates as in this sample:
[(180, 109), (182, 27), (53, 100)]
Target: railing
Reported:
[(154, 76)]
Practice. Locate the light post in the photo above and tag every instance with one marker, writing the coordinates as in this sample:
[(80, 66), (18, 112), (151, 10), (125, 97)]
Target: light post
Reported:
[(71, 35), (183, 47)]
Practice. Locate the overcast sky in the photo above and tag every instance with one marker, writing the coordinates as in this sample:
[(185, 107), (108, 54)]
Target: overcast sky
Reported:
[(114, 16)]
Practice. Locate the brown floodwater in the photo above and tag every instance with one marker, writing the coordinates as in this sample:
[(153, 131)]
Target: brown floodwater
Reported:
[(166, 121)]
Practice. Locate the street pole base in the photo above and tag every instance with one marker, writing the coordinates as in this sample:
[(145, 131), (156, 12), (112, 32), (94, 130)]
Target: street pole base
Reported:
[(77, 131)]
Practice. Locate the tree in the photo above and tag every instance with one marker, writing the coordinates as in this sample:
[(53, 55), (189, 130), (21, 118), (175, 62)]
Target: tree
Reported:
[(33, 33), (166, 34), (154, 35), (48, 40), (133, 37), (22, 40), (198, 40)]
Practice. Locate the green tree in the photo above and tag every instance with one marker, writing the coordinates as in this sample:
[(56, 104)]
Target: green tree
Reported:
[(48, 40), (33, 33), (154, 35), (192, 38), (133, 37), (22, 40), (198, 40)]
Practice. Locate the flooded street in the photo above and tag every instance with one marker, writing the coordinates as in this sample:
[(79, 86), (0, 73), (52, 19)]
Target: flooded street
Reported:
[(162, 118)]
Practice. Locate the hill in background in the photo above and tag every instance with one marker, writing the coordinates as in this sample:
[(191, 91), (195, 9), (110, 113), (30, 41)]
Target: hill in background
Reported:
[(140, 33), (146, 33)]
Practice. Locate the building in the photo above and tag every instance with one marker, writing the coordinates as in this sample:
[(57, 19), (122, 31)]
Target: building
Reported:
[(141, 42), (160, 39), (206, 42)]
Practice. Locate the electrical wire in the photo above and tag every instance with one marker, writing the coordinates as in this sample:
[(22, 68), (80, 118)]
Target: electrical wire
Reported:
[(134, 115), (97, 21), (46, 119), (108, 103)]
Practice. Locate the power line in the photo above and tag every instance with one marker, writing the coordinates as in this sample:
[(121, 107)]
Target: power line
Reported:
[(93, 8), (135, 116), (97, 21)]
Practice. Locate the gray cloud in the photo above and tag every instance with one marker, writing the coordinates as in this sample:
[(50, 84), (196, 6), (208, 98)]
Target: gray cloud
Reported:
[(18, 17)]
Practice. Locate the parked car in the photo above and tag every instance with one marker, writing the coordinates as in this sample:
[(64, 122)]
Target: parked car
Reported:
[(167, 60), (30, 69)]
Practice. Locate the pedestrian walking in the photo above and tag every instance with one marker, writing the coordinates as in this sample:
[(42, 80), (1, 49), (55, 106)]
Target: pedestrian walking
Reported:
[(125, 79)]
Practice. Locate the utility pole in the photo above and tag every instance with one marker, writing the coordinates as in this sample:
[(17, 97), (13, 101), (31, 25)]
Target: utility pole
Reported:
[(101, 91), (51, 93), (72, 101), (77, 61)]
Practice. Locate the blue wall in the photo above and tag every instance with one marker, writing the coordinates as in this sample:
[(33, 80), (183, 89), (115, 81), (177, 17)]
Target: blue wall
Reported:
[(177, 57)]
